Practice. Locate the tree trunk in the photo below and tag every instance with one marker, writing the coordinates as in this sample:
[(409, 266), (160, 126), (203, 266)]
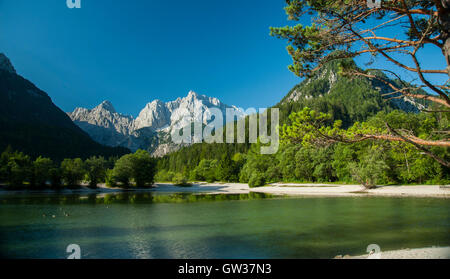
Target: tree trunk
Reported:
[(444, 19), (446, 51)]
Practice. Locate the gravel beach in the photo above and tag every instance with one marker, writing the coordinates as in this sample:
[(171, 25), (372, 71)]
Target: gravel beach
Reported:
[(419, 253)]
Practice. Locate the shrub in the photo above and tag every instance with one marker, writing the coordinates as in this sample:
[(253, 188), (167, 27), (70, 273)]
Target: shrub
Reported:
[(180, 180), (109, 178), (370, 170), (256, 180), (95, 170), (72, 171), (123, 171), (55, 177), (4, 159), (17, 167), (206, 170), (143, 168), (140, 167), (41, 169), (164, 176)]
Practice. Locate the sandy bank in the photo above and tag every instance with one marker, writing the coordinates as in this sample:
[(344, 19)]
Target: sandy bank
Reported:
[(355, 190), (420, 253), (331, 190), (310, 190)]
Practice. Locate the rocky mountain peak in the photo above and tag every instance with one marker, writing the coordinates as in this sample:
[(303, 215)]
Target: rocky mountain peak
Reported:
[(194, 97), (106, 105), (154, 104), (156, 119), (5, 64), (192, 94), (154, 115)]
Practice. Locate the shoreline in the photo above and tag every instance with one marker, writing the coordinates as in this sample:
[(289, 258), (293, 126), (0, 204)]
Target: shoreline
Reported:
[(280, 189), (339, 190), (416, 253)]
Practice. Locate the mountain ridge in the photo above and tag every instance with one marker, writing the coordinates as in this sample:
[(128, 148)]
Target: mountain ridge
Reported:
[(151, 129), (348, 99), (5, 64), (32, 123)]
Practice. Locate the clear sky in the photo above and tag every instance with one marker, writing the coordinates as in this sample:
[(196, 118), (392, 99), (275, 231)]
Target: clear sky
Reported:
[(132, 52)]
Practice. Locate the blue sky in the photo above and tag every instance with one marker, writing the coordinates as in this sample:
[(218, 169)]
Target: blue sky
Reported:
[(132, 52)]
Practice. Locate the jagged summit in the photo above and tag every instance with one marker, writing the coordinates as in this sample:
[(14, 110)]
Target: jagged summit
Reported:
[(106, 105), (154, 115), (5, 64), (107, 126), (192, 94), (155, 102)]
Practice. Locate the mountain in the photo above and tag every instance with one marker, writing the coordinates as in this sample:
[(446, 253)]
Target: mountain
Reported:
[(347, 99), (5, 64), (104, 124), (151, 129), (31, 123)]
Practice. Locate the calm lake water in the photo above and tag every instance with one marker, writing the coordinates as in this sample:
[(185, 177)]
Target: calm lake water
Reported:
[(216, 226)]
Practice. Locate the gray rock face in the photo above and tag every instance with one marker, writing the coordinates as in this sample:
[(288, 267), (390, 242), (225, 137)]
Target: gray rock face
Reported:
[(5, 64), (155, 115), (151, 129), (104, 124), (161, 116)]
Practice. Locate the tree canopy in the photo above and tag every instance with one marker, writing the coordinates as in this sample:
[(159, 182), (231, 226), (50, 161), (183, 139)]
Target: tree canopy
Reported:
[(350, 28)]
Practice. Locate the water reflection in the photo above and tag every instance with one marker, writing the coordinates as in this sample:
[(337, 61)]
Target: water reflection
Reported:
[(148, 225), (128, 198)]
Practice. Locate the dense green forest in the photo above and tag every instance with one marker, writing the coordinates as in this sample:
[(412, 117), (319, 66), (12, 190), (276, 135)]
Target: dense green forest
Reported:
[(372, 162), (380, 162), (353, 102), (349, 100), (19, 171)]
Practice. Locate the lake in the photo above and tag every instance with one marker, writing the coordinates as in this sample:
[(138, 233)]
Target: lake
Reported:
[(146, 225)]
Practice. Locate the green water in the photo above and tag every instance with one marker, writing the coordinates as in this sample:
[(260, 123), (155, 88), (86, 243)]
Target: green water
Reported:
[(216, 226)]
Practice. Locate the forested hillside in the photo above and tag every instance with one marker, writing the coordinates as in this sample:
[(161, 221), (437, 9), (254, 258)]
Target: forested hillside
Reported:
[(351, 101), (347, 99), (31, 123)]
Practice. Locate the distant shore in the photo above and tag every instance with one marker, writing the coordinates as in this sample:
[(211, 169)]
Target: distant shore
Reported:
[(291, 189), (356, 190), (418, 253), (288, 189)]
